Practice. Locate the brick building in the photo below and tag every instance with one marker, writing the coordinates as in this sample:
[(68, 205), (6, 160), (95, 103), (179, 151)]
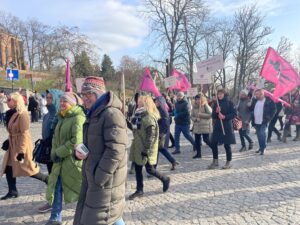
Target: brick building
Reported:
[(11, 49)]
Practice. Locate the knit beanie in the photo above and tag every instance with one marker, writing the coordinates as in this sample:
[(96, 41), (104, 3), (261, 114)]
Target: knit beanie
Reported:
[(94, 85), (244, 91), (71, 98)]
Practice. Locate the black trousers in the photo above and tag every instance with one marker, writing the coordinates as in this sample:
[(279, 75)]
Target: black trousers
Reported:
[(280, 118), (11, 181), (150, 170), (198, 142), (272, 127), (216, 151)]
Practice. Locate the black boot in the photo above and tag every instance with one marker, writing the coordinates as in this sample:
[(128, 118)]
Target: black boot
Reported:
[(166, 184), (42, 177), (250, 146), (198, 155), (136, 194), (9, 195)]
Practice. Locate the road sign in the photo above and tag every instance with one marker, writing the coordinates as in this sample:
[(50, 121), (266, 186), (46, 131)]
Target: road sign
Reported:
[(210, 65), (170, 81), (12, 74), (192, 92), (202, 78), (35, 79)]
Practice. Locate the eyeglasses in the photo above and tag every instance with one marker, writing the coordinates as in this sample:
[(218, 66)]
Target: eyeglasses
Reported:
[(87, 94)]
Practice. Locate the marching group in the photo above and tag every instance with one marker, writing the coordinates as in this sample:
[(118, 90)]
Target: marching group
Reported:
[(96, 180)]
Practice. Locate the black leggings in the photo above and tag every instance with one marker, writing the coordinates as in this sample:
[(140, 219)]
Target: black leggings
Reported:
[(150, 170)]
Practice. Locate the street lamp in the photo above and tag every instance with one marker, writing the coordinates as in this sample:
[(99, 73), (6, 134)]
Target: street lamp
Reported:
[(11, 77)]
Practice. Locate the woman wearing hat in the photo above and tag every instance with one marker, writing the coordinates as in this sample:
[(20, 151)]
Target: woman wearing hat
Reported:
[(202, 122), (65, 177), (223, 116)]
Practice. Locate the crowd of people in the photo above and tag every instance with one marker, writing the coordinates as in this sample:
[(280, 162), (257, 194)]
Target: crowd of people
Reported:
[(87, 135)]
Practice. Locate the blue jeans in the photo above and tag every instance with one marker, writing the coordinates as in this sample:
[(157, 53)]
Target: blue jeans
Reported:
[(261, 132), (245, 134), (185, 129), (57, 203), (166, 154), (119, 222)]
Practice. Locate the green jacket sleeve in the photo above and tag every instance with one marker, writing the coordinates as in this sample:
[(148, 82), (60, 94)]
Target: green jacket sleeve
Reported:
[(76, 138)]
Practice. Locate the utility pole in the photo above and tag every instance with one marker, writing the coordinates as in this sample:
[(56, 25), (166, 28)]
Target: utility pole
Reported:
[(167, 68)]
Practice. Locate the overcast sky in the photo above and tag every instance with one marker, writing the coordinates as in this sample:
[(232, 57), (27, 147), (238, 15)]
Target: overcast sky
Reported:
[(118, 29)]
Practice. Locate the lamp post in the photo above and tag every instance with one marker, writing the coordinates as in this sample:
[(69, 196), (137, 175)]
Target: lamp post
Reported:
[(11, 77)]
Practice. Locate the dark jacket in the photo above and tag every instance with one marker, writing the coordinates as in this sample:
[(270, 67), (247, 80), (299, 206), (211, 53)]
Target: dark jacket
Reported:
[(182, 112), (229, 111), (33, 104), (164, 121), (269, 110), (244, 113), (102, 196)]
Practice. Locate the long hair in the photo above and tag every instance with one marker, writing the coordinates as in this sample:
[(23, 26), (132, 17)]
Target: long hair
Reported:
[(150, 106), (18, 98)]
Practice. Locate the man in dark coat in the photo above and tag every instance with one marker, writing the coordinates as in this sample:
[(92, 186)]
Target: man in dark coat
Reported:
[(263, 109), (182, 121), (224, 114), (102, 196), (33, 107)]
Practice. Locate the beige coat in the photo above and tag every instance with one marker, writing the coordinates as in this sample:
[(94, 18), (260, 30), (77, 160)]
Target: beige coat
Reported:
[(20, 142), (201, 117)]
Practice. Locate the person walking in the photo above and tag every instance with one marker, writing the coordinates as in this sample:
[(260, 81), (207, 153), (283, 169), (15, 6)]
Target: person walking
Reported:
[(164, 130), (17, 161), (263, 109), (202, 123), (3, 106), (272, 126), (244, 114), (33, 107), (144, 146), (182, 122), (225, 112), (102, 195), (171, 114), (49, 123), (65, 177)]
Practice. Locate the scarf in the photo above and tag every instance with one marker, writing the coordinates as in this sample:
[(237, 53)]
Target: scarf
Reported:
[(137, 118), (63, 113), (8, 115)]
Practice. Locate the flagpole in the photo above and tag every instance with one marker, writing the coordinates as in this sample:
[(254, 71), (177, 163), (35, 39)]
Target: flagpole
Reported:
[(123, 89)]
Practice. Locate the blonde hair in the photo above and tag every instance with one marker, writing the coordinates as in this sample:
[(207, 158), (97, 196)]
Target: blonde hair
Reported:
[(203, 100), (150, 106), (20, 104)]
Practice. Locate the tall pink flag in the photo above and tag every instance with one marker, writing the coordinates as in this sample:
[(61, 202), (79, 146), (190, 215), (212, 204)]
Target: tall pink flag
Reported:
[(278, 71), (148, 84), (68, 87), (182, 82)]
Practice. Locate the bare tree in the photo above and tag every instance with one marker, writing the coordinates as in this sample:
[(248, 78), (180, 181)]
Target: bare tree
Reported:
[(166, 18), (284, 48), (251, 33)]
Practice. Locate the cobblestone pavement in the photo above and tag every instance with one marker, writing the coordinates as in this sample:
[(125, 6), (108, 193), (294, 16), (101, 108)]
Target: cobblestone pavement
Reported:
[(257, 190)]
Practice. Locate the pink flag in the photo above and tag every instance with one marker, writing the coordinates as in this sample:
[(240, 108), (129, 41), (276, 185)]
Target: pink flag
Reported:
[(270, 95), (148, 83), (68, 87), (182, 82), (278, 71)]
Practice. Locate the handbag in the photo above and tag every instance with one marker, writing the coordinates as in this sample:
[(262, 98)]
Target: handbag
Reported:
[(42, 152), (5, 145), (237, 123)]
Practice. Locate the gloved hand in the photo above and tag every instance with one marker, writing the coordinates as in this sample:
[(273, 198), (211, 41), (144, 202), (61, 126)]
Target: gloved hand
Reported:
[(5, 145), (20, 157), (144, 155)]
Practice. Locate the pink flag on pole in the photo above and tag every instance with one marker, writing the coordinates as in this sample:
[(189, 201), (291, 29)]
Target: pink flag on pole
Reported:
[(68, 87), (278, 71), (148, 84), (182, 82)]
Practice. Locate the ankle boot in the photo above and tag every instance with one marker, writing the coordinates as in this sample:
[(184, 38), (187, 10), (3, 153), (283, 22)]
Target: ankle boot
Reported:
[(243, 148), (227, 165), (9, 195), (214, 164), (250, 146)]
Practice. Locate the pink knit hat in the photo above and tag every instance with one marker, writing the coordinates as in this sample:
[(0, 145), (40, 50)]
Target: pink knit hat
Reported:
[(71, 98)]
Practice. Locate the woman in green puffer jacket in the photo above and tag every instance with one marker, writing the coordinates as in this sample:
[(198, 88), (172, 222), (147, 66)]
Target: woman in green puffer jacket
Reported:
[(144, 147), (65, 178)]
